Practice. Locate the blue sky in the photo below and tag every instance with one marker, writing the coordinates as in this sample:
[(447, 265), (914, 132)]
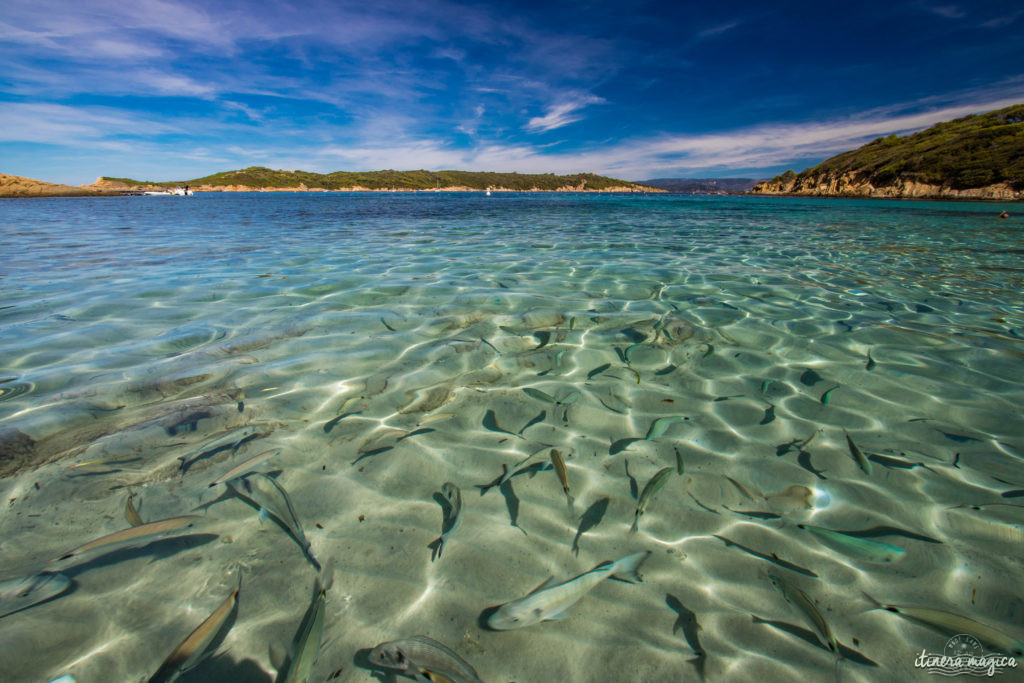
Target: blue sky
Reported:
[(162, 90)]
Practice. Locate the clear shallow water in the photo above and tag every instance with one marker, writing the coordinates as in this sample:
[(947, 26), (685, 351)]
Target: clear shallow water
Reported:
[(141, 330)]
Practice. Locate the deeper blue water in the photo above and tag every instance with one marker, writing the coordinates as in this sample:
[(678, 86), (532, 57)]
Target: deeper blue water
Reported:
[(848, 365)]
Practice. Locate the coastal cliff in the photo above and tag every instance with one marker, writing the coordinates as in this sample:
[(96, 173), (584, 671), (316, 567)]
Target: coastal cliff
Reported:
[(975, 157)]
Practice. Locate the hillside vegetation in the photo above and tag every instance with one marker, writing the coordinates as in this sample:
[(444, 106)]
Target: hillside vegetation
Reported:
[(972, 152), (260, 177)]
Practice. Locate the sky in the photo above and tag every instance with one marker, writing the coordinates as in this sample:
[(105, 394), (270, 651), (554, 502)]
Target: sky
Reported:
[(160, 90)]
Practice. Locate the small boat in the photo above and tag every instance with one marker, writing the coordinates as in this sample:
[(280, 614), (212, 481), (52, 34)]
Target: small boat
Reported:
[(176, 192)]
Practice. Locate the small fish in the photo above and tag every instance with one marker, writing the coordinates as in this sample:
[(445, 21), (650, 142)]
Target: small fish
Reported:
[(809, 378), (196, 647), (539, 395), (769, 415), (659, 426), (679, 461), (597, 371), (741, 488), (491, 422), (231, 441), (424, 659), (862, 548), (130, 513), (896, 463), (245, 466), (569, 398), (764, 386), (628, 353), (827, 395), (773, 558), (754, 514), (620, 445), (270, 498), (136, 535), (305, 647), (959, 438), (542, 337), (951, 624), (667, 370), (652, 487), (416, 432), (563, 476), (615, 403), (451, 513), (870, 365), (19, 594), (863, 462), (552, 600), (385, 324), (801, 601)]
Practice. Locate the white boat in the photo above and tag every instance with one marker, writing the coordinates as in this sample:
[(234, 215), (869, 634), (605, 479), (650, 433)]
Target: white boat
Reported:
[(176, 192)]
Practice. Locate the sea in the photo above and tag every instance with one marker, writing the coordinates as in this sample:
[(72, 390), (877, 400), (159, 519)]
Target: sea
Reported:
[(241, 429)]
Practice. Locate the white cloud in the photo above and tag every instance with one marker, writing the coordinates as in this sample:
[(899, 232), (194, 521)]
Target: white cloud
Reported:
[(561, 114)]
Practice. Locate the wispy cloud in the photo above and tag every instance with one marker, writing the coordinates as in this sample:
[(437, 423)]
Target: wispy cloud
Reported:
[(562, 114)]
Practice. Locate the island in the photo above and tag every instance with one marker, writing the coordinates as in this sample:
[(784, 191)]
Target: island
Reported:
[(975, 157), (258, 178)]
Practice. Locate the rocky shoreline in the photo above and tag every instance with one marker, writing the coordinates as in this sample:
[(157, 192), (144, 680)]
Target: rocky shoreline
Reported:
[(103, 184), (852, 185)]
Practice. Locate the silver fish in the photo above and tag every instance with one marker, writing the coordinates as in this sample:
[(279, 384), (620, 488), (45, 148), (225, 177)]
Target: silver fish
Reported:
[(196, 647), (418, 656), (652, 487), (136, 535), (951, 624), (452, 513), (19, 594), (799, 599), (230, 441), (552, 600), (246, 466), (130, 513), (563, 477), (270, 498), (305, 647), (862, 461), (863, 548)]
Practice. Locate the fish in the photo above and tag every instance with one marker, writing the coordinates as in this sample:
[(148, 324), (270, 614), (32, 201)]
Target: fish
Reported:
[(588, 520), (620, 445), (419, 656), (130, 513), (305, 646), (563, 477), (615, 403), (22, 593), (896, 463), (773, 558), (769, 415), (862, 462), (679, 461), (828, 393), (870, 365), (629, 351), (652, 487), (245, 466), (539, 395), (796, 597), (754, 514), (230, 441), (552, 600), (270, 498), (197, 646), (863, 548), (385, 324), (597, 371), (542, 337), (667, 370), (661, 425), (451, 514), (569, 398), (951, 624), (740, 487), (135, 535)]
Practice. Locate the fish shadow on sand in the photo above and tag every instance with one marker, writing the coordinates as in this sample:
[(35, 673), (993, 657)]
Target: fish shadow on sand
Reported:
[(686, 621), (224, 668), (588, 520), (512, 503), (812, 638), (482, 620), (446, 511), (158, 549)]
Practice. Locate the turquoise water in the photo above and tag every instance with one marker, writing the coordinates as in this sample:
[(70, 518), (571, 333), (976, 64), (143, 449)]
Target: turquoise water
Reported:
[(381, 345)]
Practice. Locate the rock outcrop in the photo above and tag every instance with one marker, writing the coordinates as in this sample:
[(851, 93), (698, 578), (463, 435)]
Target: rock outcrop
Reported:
[(857, 185)]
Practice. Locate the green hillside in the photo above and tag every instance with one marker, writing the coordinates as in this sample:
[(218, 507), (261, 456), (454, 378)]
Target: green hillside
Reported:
[(258, 176), (970, 152)]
